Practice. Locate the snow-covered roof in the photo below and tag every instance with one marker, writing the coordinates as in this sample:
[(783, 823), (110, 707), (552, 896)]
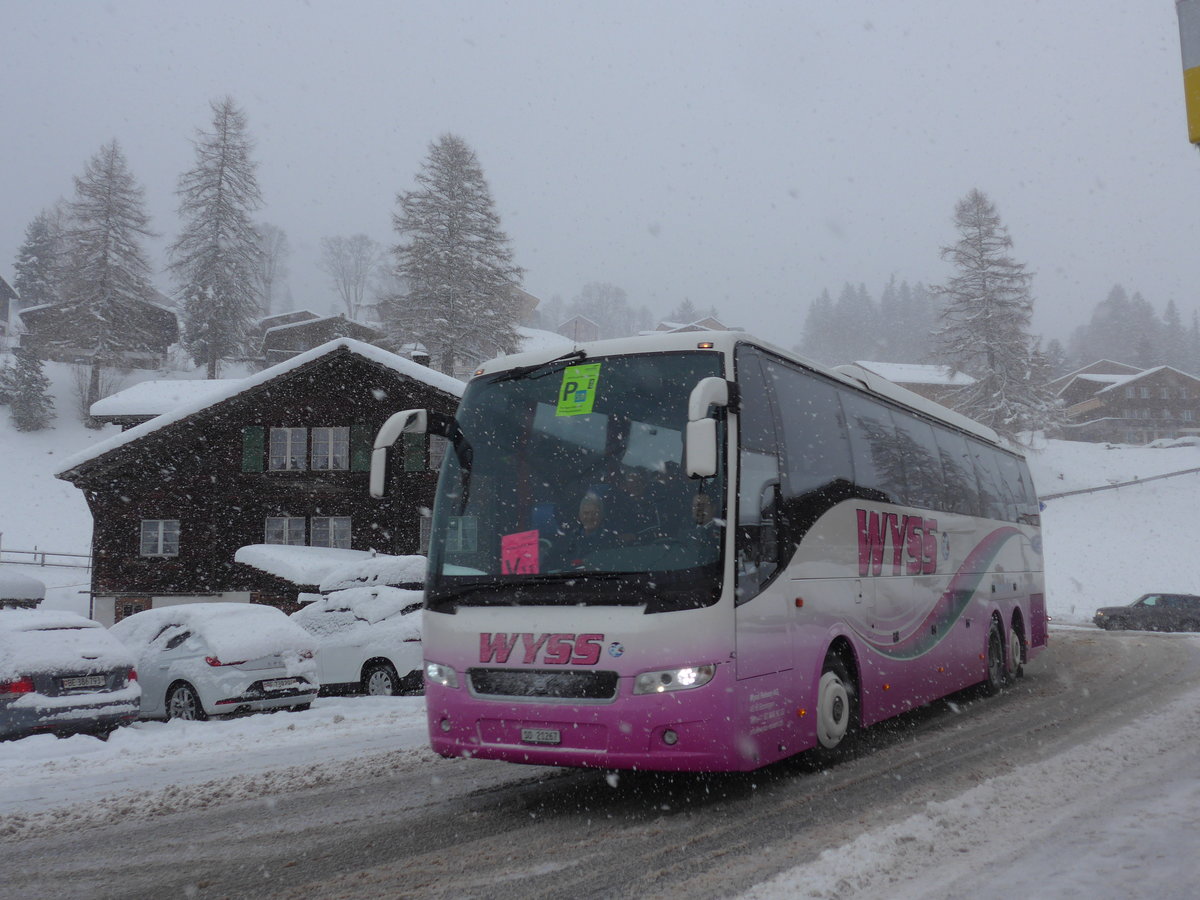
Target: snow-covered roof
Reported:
[(534, 339), (914, 373), (308, 322), (399, 364), (153, 398), (232, 631), (299, 565), (1128, 379), (15, 586)]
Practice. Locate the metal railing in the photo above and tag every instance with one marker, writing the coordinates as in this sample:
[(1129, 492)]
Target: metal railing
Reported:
[(1116, 485), (37, 557)]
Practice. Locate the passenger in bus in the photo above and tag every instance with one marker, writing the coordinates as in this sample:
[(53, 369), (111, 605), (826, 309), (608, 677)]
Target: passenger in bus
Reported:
[(590, 532), (703, 529)]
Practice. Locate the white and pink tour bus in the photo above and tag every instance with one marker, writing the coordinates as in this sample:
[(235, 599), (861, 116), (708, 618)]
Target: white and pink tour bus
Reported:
[(698, 552)]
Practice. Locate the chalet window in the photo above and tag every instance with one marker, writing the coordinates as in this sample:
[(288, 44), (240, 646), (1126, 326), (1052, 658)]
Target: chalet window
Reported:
[(330, 449), (437, 451), (413, 452), (1145, 393), (1130, 393), (289, 449), (331, 531), (1188, 415), (160, 537), (1164, 393), (1166, 413), (425, 528), (285, 530)]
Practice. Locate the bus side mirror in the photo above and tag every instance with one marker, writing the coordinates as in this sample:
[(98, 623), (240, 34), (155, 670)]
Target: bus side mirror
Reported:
[(701, 456), (410, 421)]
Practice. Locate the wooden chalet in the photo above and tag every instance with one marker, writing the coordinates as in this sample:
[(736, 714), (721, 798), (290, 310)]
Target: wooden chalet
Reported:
[(285, 340), (57, 331), (8, 312), (936, 383), (280, 457), (1104, 402)]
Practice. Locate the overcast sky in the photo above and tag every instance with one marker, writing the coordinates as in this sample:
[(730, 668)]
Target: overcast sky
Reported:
[(742, 155)]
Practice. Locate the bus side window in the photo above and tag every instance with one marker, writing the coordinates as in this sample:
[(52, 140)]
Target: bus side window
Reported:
[(960, 493), (991, 491), (758, 478), (922, 462), (878, 462), (816, 448)]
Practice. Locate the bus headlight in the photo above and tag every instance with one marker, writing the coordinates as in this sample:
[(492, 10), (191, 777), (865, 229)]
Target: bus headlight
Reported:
[(674, 679), (436, 673)]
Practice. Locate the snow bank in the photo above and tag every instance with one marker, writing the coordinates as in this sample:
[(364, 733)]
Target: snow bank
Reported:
[(299, 565), (15, 586), (381, 569)]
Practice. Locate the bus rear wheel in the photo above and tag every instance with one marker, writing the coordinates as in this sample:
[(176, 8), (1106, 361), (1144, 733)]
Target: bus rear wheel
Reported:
[(837, 706), (995, 661), (1014, 668)]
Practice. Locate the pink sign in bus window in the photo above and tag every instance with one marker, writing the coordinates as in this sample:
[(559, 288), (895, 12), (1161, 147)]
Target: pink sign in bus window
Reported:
[(519, 553)]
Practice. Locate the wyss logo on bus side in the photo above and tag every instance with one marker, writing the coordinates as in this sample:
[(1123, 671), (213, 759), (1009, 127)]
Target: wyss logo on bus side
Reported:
[(913, 536)]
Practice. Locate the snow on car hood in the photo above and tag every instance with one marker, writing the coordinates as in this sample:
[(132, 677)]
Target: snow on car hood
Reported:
[(379, 570), (233, 631), (374, 605), (37, 640)]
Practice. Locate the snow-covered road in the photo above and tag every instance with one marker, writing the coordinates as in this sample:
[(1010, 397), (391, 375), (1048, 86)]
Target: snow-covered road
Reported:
[(1079, 782)]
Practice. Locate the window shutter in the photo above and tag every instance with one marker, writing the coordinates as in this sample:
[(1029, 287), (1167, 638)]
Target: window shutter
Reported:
[(252, 448), (361, 440)]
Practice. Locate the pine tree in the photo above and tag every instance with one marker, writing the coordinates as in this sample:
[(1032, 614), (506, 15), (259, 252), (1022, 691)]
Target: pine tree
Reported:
[(272, 270), (1173, 350), (216, 258), (351, 264), (38, 270), (456, 263), (106, 275), (30, 401), (985, 325), (818, 335)]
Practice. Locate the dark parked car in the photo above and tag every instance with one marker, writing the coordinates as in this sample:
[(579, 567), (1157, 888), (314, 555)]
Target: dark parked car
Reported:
[(1153, 612), (61, 673)]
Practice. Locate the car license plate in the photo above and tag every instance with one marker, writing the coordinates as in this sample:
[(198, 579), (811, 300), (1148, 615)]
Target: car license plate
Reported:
[(85, 681), (541, 735), (279, 684)]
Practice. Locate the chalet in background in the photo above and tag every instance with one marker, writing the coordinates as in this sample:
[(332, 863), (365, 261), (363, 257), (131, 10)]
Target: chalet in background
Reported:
[(1110, 401), (936, 383), (61, 332), (280, 457)]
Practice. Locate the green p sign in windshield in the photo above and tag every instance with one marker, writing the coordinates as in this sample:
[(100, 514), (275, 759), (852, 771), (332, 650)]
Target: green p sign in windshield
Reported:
[(578, 390)]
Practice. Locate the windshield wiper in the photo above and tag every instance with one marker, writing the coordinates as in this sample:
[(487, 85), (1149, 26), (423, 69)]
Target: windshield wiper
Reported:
[(520, 371)]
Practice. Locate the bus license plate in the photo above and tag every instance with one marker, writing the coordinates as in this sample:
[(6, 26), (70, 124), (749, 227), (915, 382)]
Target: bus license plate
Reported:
[(279, 684), (541, 735)]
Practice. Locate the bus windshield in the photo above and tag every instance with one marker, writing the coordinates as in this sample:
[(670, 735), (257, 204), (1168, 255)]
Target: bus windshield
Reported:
[(565, 485)]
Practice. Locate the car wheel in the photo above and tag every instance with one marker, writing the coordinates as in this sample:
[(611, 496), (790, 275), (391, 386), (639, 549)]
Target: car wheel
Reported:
[(995, 660), (184, 703), (380, 680), (1014, 667), (837, 707)]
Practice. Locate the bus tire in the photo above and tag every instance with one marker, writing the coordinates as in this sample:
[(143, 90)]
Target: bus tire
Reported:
[(995, 661), (837, 707), (1015, 666)]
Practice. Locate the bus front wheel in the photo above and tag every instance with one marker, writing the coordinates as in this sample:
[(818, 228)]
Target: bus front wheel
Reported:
[(837, 705)]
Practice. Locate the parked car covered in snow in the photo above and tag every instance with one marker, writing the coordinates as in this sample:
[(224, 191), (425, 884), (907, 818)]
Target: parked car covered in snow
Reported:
[(197, 660), (368, 626), (1153, 612), (63, 674)]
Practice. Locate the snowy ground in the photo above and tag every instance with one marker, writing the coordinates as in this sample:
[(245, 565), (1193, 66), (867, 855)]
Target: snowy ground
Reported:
[(1116, 818)]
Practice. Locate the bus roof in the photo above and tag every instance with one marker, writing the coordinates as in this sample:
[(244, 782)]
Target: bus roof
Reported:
[(725, 342)]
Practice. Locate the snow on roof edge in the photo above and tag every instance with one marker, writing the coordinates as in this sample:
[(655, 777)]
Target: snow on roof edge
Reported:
[(385, 358)]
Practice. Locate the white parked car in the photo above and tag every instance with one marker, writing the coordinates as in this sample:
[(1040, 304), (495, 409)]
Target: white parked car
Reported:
[(368, 639), (197, 660), (62, 673)]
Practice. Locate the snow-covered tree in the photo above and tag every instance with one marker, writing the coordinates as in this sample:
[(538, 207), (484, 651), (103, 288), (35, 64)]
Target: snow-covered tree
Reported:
[(217, 254), (456, 263), (38, 271), (29, 395), (272, 269), (351, 264), (985, 325), (106, 275)]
